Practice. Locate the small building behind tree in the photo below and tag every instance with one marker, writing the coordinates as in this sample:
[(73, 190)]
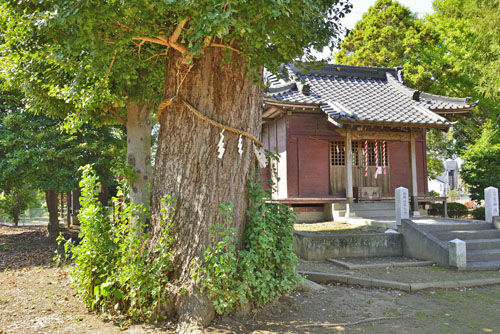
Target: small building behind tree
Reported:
[(350, 133)]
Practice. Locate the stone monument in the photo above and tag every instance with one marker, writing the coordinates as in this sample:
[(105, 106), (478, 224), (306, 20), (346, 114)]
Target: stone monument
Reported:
[(402, 206), (491, 203)]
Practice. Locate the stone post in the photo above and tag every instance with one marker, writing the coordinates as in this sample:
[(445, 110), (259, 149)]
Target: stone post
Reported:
[(457, 254), (402, 207), (491, 203), (348, 165)]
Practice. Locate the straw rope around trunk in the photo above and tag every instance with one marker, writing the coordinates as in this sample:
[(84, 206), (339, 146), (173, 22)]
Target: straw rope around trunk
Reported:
[(198, 114)]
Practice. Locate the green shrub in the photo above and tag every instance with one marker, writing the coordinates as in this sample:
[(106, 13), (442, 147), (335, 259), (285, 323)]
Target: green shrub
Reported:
[(265, 269), (433, 193), (455, 210), (113, 270), (479, 213), (436, 209), (453, 193)]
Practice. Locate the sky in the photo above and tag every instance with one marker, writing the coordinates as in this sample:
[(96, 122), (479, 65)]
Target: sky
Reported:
[(420, 7)]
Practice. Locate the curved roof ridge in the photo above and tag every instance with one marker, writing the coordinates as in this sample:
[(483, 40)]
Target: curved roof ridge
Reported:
[(446, 99), (400, 87), (343, 70)]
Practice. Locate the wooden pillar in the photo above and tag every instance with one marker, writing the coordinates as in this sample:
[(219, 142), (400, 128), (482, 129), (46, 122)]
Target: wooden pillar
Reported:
[(413, 168), (348, 165)]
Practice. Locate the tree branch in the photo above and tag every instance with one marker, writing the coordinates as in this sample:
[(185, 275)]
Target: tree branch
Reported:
[(177, 32), (163, 41), (110, 66), (139, 49), (117, 115), (216, 45), (123, 25), (158, 55)]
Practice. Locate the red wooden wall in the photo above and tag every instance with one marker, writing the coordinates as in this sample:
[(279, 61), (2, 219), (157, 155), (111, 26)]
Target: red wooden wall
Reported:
[(308, 160), (305, 169)]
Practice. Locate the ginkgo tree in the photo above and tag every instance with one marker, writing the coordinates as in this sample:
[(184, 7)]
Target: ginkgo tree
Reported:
[(198, 64)]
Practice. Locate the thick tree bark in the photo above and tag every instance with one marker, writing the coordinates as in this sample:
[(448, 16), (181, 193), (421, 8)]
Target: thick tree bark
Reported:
[(139, 127), (52, 204), (187, 167)]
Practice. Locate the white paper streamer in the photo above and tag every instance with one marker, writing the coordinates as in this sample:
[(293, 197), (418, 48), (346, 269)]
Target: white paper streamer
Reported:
[(260, 155), (240, 146), (220, 145)]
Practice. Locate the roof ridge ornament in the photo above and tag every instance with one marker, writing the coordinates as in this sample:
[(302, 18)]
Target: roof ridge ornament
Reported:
[(400, 74)]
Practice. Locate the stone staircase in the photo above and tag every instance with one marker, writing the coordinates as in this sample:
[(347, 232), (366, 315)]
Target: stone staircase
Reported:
[(376, 213), (482, 241), (375, 210)]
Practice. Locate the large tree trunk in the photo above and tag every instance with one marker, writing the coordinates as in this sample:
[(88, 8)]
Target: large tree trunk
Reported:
[(187, 166), (52, 203), (139, 151)]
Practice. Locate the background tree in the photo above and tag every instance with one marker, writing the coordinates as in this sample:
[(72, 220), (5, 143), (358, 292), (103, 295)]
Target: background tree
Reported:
[(444, 54), (16, 201), (481, 166), (81, 64), (466, 63), (439, 148), (36, 152), (390, 35)]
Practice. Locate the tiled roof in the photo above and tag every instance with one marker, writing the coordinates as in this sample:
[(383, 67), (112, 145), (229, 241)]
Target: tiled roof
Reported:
[(362, 95)]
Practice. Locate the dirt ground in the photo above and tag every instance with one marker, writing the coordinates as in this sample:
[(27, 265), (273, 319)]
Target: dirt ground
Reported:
[(36, 297)]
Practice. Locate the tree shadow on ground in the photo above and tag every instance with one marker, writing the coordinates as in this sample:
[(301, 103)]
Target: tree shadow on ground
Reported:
[(28, 246)]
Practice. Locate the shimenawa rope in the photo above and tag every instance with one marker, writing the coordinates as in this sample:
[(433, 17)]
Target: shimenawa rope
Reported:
[(198, 114)]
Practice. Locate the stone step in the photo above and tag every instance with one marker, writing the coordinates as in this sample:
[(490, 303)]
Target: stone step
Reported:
[(338, 206), (338, 213), (467, 235), (482, 255), (456, 227), (483, 265), (383, 223), (479, 244), (356, 221), (374, 213), (376, 205)]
